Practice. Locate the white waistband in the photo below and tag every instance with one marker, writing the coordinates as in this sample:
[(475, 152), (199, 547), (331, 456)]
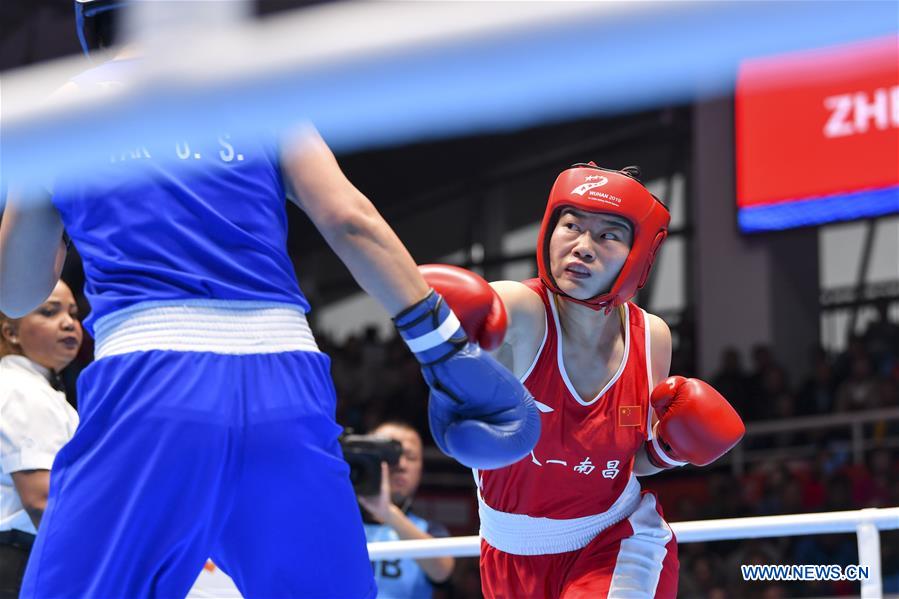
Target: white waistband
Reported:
[(520, 534), (216, 326)]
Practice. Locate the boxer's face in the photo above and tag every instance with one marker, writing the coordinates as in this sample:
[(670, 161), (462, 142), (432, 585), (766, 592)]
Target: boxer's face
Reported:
[(51, 334), (587, 251), (406, 475)]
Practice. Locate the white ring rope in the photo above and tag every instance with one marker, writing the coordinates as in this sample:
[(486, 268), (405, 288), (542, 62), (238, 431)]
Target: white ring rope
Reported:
[(686, 532), (865, 523)]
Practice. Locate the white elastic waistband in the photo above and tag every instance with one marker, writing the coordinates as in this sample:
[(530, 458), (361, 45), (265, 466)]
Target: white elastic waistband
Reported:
[(520, 534), (216, 326)]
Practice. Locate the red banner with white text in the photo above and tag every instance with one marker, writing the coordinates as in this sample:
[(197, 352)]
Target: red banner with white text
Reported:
[(820, 128)]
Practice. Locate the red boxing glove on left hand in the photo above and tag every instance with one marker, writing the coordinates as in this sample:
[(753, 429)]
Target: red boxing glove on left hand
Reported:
[(696, 424)]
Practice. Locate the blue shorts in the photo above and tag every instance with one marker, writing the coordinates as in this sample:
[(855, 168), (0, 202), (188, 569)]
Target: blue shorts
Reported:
[(182, 456)]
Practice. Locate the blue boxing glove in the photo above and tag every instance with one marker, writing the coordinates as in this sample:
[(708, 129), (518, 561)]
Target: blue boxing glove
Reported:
[(479, 413)]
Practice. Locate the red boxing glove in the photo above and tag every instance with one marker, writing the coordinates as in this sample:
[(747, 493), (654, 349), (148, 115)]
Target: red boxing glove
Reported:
[(696, 424), (479, 308)]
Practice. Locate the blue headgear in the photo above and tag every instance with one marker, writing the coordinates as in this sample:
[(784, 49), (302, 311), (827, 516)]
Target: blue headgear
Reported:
[(85, 9)]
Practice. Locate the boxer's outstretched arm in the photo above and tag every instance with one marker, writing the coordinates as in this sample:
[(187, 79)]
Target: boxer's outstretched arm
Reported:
[(351, 225), (31, 251)]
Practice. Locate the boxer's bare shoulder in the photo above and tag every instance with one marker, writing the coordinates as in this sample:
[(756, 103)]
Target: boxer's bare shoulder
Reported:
[(527, 325)]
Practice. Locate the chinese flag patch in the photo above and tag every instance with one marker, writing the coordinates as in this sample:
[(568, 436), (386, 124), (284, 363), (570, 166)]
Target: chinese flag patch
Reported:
[(629, 416)]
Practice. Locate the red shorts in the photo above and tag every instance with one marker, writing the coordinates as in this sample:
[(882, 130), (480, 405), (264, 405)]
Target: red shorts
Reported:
[(635, 558)]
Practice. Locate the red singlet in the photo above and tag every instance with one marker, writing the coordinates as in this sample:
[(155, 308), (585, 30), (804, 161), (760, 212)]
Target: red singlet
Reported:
[(570, 520)]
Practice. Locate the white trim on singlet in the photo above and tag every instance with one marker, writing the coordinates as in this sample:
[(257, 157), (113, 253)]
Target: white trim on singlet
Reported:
[(647, 347), (520, 534), (530, 369), (478, 481), (214, 326), (641, 556), (561, 362)]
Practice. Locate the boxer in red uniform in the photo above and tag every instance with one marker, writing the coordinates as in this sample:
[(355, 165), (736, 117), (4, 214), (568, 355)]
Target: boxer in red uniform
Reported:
[(570, 520)]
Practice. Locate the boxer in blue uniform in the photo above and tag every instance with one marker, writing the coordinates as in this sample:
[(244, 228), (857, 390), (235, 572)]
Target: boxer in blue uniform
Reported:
[(207, 420)]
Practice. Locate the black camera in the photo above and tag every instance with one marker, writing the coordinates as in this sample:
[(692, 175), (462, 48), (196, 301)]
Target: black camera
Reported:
[(364, 454)]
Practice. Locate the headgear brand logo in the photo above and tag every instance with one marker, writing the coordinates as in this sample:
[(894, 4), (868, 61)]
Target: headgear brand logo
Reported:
[(593, 181)]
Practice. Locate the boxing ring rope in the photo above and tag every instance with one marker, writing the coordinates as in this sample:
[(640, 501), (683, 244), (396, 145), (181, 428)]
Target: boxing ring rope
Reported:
[(854, 424), (865, 523)]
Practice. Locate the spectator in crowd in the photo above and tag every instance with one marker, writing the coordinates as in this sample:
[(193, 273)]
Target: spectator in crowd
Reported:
[(750, 551), (842, 365), (465, 583), (762, 360), (389, 518), (817, 393), (871, 485), (35, 421), (762, 384), (783, 408), (775, 392), (881, 339), (888, 388), (775, 490), (730, 381), (775, 590), (701, 577), (814, 490), (376, 380), (839, 493), (860, 391)]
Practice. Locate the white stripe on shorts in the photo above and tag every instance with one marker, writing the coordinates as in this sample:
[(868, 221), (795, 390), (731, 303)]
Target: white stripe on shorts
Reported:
[(216, 326), (640, 556)]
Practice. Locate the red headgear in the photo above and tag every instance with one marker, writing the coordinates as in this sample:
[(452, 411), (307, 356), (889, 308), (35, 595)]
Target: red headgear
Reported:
[(590, 188)]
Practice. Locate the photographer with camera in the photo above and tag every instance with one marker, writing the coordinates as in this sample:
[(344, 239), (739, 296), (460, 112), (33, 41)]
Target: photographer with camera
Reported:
[(388, 518)]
